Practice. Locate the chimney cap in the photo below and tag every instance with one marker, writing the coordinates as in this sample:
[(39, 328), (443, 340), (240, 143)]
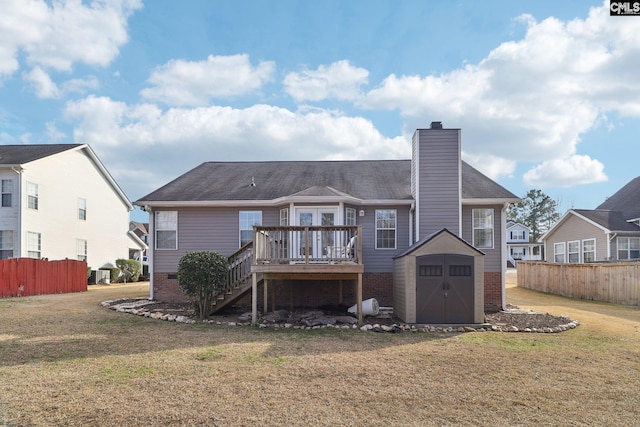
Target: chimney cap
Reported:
[(436, 125)]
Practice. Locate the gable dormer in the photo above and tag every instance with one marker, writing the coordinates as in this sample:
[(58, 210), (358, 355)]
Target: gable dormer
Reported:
[(436, 180)]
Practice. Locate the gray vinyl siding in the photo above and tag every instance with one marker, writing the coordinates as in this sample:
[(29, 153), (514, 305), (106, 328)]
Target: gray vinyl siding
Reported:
[(493, 257), (438, 204), (207, 229), (574, 228), (381, 260)]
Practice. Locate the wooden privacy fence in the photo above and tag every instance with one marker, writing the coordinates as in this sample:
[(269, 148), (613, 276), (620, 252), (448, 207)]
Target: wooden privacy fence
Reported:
[(28, 276), (618, 282)]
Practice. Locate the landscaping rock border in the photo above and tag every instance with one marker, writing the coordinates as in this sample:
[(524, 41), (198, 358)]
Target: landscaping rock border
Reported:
[(503, 321)]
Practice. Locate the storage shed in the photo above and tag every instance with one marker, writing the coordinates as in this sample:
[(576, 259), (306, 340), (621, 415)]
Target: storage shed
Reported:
[(439, 280)]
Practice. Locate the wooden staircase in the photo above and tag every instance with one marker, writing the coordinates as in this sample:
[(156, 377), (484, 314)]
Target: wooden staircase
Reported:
[(239, 281)]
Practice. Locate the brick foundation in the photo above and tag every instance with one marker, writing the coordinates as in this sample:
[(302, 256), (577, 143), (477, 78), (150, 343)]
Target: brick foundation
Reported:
[(166, 288), (492, 292)]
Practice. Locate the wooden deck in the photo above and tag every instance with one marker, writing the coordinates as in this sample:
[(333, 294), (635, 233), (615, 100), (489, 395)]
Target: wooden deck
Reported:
[(307, 253)]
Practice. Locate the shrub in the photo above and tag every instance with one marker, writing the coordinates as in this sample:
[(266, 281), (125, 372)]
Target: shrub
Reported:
[(130, 269), (202, 276)]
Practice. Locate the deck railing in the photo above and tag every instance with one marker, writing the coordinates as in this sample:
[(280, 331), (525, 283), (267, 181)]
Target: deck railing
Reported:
[(333, 244)]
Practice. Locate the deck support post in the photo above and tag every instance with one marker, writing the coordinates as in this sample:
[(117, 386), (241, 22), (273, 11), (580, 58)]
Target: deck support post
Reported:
[(340, 292), (254, 299), (266, 295), (359, 299)]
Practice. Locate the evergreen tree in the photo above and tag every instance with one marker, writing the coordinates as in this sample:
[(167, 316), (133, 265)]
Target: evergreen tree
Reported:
[(537, 211)]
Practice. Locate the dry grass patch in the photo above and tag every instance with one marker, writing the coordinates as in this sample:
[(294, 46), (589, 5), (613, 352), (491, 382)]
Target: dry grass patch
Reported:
[(65, 360)]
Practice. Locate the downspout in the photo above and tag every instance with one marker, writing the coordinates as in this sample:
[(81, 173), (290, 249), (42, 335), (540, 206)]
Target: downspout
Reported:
[(610, 238), (19, 170), (151, 251), (503, 244), (412, 208)]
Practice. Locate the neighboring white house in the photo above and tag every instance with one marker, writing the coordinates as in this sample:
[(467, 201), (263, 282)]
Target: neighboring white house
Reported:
[(59, 201), (519, 246)]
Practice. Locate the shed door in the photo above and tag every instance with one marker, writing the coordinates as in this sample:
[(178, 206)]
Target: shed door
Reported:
[(444, 288)]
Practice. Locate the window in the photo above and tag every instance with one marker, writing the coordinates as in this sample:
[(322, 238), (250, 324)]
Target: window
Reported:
[(558, 252), (589, 250), (6, 244), (82, 209), (574, 251), (34, 245), (7, 192), (483, 228), (350, 216), (385, 229), (32, 195), (166, 230), (284, 217), (628, 248), (517, 235), (81, 249), (247, 220)]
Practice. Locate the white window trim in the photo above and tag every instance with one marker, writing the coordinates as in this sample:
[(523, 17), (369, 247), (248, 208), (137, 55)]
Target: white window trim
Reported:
[(395, 229), (569, 253), (82, 207), (593, 251), (82, 249), (10, 244), (157, 229), (351, 213), (39, 249), (564, 253), (240, 229), (9, 192), (284, 217), (35, 186), (628, 238), (493, 228)]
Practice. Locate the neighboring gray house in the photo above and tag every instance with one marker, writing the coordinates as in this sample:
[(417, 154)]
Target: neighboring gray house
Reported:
[(611, 232), (313, 225), (519, 245)]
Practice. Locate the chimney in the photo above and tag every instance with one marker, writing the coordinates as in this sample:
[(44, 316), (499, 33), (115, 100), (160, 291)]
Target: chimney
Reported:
[(436, 180)]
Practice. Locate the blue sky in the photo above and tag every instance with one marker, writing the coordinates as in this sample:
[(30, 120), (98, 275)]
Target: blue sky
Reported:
[(546, 93)]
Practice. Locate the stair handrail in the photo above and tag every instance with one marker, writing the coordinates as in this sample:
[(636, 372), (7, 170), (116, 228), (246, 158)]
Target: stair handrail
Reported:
[(239, 267)]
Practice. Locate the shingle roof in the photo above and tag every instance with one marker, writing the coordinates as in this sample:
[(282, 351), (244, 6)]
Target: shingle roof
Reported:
[(626, 200), (20, 154), (611, 220), (363, 179)]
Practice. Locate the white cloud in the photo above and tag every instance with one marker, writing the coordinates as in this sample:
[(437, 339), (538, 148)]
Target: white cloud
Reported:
[(58, 34), (164, 144), (339, 80), (42, 84), (493, 166), (44, 87), (530, 99), (574, 170), (52, 132), (189, 83)]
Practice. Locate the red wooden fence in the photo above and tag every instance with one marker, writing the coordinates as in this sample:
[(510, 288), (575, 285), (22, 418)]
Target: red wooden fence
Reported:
[(28, 276)]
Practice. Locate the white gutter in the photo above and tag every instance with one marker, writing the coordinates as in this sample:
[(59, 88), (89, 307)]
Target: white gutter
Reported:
[(273, 202)]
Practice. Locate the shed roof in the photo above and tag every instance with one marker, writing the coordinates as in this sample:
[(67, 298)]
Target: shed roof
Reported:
[(432, 236)]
